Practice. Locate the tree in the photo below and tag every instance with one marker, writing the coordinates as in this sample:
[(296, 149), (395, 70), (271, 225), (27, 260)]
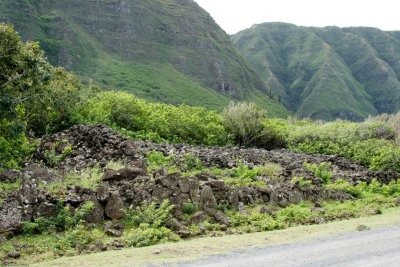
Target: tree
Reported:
[(23, 72), (244, 121)]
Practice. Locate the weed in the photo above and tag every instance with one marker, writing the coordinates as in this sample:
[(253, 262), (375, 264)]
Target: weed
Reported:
[(87, 178), (321, 171), (115, 165), (189, 208), (271, 170), (157, 160), (146, 235), (154, 214), (302, 182)]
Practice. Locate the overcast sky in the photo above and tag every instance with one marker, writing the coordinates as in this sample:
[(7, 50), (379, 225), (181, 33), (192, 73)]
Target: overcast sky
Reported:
[(236, 15)]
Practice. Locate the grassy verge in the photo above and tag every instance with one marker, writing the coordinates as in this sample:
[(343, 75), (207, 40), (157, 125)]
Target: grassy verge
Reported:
[(198, 248)]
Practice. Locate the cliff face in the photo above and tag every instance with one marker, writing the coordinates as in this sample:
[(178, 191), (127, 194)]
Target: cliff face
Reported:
[(168, 50), (326, 73)]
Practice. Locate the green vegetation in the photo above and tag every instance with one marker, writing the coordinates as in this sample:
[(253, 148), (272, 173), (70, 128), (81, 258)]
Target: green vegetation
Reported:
[(321, 171), (146, 49), (326, 73), (88, 178), (147, 225), (244, 122), (65, 220), (189, 208), (67, 102), (370, 143), (241, 175), (8, 187), (198, 248), (153, 121)]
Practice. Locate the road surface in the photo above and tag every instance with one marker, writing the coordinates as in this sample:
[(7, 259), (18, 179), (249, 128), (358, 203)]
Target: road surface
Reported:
[(379, 247)]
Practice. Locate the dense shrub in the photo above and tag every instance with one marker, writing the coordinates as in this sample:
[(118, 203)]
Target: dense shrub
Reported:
[(393, 120), (274, 134), (244, 122), (321, 171), (154, 121), (372, 144), (154, 215), (35, 98), (53, 110)]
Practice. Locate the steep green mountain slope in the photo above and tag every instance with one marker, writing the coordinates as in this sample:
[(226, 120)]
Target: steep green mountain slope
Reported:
[(326, 73), (164, 50)]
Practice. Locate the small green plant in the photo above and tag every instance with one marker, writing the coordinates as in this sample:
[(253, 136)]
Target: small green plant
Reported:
[(115, 165), (87, 178), (271, 170), (189, 208), (296, 214), (253, 221), (64, 220), (157, 160), (304, 183), (322, 171), (146, 235), (80, 236), (191, 163), (153, 214), (53, 158), (146, 225), (242, 175), (6, 188)]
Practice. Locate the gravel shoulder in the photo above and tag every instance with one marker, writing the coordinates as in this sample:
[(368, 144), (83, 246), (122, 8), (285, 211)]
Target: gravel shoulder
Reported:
[(378, 247)]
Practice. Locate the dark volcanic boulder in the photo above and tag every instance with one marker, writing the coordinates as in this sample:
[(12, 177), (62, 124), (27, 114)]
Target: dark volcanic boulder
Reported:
[(115, 207), (96, 214), (123, 174), (10, 216)]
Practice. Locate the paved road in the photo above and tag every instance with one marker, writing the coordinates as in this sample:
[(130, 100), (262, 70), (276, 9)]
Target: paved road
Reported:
[(379, 247)]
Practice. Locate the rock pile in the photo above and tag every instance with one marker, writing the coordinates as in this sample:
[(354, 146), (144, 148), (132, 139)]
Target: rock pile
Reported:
[(133, 185)]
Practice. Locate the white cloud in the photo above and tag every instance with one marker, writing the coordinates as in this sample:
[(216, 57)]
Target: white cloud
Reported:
[(236, 15)]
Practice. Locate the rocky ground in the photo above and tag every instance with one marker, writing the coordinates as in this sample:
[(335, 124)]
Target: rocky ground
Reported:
[(133, 184)]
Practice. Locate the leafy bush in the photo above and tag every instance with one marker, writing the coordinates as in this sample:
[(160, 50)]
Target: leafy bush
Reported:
[(146, 235), (321, 171), (13, 150), (242, 176), (189, 208), (303, 183), (372, 144), (154, 215), (244, 122), (253, 221), (157, 160), (393, 120), (79, 236), (147, 225), (274, 134), (51, 156), (296, 214), (191, 163), (153, 121), (271, 170), (64, 220), (364, 190)]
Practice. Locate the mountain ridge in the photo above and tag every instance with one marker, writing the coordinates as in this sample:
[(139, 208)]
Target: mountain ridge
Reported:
[(335, 72)]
